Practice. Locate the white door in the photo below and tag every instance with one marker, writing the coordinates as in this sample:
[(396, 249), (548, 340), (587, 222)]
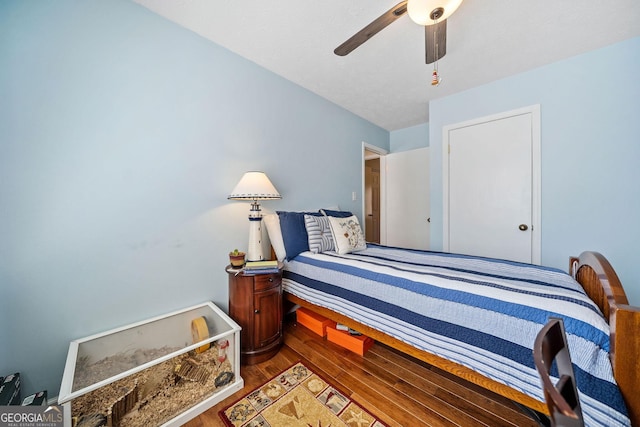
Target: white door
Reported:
[(492, 191), (407, 199)]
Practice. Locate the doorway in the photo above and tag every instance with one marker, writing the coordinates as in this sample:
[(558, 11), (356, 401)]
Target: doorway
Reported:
[(374, 193), (372, 199)]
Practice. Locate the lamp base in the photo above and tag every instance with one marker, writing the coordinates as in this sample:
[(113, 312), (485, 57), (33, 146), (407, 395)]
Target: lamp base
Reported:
[(254, 251)]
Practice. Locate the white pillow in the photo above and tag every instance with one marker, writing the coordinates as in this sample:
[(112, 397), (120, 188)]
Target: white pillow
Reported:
[(272, 221), (347, 234)]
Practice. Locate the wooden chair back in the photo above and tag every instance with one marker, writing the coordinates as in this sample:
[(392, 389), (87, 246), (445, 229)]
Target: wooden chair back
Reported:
[(562, 397)]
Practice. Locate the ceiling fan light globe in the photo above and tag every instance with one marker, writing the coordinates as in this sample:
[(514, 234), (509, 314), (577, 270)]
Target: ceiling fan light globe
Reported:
[(420, 10)]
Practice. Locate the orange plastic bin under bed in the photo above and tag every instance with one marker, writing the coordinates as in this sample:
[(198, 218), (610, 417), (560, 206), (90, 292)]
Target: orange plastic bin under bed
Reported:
[(358, 344), (313, 321)]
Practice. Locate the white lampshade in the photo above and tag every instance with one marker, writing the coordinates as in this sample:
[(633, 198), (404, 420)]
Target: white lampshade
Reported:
[(420, 10), (254, 186)]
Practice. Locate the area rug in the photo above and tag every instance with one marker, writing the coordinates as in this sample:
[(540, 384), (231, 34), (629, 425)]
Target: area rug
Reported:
[(297, 397)]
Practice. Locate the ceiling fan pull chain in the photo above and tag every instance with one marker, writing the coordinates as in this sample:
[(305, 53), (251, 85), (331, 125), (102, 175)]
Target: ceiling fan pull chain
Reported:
[(435, 77)]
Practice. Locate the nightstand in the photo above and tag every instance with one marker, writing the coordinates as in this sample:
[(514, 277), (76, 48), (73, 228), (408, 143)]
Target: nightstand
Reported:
[(255, 303)]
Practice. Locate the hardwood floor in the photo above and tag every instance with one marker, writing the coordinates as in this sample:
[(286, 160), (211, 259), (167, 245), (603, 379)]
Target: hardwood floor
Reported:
[(399, 390)]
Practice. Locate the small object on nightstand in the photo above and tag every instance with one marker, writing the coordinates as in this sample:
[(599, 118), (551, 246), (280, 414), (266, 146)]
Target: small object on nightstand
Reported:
[(261, 267), (236, 258), (251, 265)]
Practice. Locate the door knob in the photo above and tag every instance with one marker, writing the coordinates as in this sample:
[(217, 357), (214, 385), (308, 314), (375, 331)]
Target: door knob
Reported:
[(523, 227)]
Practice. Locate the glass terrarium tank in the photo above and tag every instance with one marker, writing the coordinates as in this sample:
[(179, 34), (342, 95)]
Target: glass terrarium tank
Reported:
[(162, 371)]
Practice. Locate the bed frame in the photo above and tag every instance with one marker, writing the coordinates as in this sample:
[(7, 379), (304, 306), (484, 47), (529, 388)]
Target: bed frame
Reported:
[(600, 281)]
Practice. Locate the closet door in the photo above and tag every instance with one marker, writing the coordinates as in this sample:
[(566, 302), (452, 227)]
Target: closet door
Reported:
[(491, 203)]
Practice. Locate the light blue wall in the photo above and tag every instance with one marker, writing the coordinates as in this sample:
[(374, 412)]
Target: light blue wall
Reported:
[(409, 138), (590, 110), (121, 135)]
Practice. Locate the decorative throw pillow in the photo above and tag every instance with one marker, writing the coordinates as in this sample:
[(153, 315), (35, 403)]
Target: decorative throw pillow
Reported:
[(272, 221), (347, 234), (336, 213), (319, 232), (294, 232)]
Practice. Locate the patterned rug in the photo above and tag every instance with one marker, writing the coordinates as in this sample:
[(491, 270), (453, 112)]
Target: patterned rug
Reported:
[(297, 397)]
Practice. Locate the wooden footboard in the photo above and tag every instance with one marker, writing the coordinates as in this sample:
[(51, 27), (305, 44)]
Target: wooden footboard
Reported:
[(600, 281)]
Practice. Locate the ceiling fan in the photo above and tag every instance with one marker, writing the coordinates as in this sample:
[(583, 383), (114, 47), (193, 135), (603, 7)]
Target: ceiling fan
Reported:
[(432, 14)]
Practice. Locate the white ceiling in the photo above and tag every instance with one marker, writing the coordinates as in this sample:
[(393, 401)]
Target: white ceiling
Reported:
[(386, 80)]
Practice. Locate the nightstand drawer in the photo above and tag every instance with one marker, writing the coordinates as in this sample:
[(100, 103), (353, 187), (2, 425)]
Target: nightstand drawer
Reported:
[(263, 282)]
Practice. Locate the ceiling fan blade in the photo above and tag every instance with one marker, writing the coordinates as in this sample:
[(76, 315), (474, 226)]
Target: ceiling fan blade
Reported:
[(435, 37), (372, 29)]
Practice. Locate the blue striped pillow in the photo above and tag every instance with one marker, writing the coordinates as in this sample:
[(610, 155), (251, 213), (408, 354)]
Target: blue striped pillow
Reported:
[(319, 233)]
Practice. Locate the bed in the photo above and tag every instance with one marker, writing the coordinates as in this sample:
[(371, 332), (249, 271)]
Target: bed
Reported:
[(477, 318)]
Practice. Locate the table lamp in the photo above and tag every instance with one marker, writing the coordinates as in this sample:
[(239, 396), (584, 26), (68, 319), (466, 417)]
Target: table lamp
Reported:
[(254, 186)]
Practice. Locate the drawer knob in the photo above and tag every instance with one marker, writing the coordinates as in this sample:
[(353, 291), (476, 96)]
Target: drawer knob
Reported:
[(256, 311), (271, 279)]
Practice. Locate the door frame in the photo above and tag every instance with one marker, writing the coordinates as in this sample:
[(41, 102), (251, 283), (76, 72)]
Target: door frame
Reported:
[(534, 110), (379, 153)]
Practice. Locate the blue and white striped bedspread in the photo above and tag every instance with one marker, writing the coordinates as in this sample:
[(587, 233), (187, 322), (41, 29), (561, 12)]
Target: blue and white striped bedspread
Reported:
[(478, 312)]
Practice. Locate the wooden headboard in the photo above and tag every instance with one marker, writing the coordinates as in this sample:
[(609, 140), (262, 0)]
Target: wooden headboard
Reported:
[(601, 283)]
